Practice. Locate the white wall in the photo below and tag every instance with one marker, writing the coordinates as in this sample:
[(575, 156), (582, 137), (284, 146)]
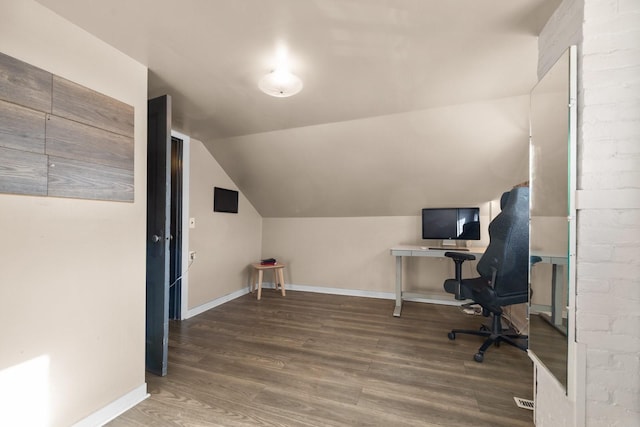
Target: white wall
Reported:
[(608, 201), (608, 300), (353, 253), (225, 243), (72, 278)]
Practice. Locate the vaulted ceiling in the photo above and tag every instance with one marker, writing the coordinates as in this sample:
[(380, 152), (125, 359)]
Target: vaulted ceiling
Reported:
[(406, 103)]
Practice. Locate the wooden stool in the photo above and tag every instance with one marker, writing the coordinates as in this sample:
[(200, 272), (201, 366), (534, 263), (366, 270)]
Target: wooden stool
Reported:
[(278, 273)]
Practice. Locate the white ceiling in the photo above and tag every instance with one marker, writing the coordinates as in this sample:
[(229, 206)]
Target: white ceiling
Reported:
[(394, 92)]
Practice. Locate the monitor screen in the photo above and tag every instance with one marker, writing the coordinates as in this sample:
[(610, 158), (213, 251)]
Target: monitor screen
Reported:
[(225, 200), (451, 223)]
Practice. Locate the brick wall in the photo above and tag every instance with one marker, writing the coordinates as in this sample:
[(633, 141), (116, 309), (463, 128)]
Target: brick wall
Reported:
[(607, 33), (608, 256)]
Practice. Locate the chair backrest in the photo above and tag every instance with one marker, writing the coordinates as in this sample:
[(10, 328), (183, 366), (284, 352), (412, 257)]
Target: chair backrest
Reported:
[(508, 250)]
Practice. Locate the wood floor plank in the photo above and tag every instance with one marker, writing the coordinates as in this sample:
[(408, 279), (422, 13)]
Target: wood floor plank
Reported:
[(327, 360)]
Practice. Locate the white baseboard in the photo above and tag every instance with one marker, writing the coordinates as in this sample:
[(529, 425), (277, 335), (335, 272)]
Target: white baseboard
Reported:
[(214, 303), (338, 291), (427, 298), (115, 408)]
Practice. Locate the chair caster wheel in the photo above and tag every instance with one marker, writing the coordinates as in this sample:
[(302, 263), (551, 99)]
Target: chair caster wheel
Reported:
[(452, 335), (478, 357)]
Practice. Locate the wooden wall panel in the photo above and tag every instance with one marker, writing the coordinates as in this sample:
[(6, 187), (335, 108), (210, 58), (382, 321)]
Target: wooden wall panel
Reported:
[(22, 172), (74, 140), (21, 128), (24, 84), (76, 102), (59, 138), (82, 180)]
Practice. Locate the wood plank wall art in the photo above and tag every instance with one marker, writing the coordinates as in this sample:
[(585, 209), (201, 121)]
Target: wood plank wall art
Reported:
[(61, 139)]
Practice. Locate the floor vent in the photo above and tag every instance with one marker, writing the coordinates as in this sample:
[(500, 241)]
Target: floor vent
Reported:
[(524, 403)]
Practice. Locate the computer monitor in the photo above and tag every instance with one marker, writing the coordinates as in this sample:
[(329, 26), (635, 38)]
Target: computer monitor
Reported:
[(451, 223)]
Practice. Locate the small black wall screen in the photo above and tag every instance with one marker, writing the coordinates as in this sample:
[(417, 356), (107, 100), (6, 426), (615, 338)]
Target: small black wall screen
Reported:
[(225, 200)]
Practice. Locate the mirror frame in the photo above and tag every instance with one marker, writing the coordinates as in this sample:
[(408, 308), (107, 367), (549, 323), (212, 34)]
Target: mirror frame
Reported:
[(569, 382)]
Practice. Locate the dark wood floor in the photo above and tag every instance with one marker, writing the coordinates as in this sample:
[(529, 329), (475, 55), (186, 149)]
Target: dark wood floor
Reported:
[(325, 360)]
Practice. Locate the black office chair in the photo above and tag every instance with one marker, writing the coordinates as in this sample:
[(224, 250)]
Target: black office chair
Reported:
[(503, 269)]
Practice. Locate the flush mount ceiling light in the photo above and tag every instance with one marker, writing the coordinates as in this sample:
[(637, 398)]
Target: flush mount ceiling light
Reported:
[(280, 83)]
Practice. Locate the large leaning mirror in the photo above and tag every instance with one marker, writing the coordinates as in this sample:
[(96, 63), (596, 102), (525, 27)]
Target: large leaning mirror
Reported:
[(551, 181)]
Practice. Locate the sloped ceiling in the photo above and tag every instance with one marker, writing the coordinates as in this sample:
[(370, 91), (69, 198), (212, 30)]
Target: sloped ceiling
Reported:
[(406, 103)]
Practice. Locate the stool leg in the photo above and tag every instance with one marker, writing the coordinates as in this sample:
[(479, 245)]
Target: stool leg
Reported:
[(252, 279), (259, 284), (275, 278), (281, 274)]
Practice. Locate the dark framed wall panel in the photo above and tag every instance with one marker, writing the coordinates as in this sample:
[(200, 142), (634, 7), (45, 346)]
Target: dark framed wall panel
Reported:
[(82, 180), (61, 139), (21, 128), (22, 172), (24, 84), (66, 138), (76, 102)]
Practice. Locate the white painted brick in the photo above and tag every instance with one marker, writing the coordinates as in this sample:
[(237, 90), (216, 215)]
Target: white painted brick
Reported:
[(629, 217), (601, 8), (601, 414), (593, 322), (628, 289), (612, 130), (610, 42), (626, 325), (608, 240), (626, 111), (606, 234), (599, 358), (596, 253), (610, 181), (610, 95), (627, 399), (627, 255), (629, 362), (604, 340), (610, 60), (598, 23), (628, 6), (597, 304), (590, 165), (588, 286), (598, 393), (603, 149), (624, 218), (612, 379), (629, 146)]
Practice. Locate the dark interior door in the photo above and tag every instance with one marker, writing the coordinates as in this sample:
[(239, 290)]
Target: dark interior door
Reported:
[(175, 250), (158, 233)]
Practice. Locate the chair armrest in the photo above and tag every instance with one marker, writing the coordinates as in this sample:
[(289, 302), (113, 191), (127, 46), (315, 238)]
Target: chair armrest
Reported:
[(460, 256), (454, 285), (534, 259)]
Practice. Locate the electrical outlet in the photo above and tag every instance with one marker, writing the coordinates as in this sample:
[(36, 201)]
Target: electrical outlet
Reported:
[(192, 255), (192, 223)]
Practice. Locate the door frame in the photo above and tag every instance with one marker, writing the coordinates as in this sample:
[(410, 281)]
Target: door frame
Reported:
[(186, 150)]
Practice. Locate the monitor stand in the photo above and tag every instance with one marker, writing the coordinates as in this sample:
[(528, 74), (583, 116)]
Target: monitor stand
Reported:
[(451, 245)]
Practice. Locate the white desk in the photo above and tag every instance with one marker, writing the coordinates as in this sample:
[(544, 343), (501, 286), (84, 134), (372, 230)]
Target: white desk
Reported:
[(420, 251)]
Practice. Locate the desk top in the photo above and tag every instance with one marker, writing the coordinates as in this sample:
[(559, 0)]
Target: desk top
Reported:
[(414, 250)]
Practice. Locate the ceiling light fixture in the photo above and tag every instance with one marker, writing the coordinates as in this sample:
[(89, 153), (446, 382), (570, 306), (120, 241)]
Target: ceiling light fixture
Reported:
[(280, 83)]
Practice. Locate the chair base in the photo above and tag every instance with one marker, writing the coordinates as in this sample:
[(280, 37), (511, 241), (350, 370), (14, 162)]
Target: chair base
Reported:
[(495, 335)]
